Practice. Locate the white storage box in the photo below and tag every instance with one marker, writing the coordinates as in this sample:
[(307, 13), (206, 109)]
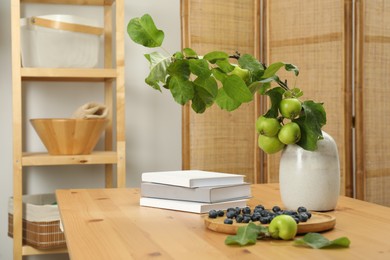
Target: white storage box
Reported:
[(41, 221), (60, 41)]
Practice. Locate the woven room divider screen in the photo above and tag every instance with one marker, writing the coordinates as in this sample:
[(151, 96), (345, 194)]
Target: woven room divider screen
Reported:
[(316, 36), (218, 140), (372, 105)]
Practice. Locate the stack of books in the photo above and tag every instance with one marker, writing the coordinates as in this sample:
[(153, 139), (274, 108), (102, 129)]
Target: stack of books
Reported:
[(193, 190)]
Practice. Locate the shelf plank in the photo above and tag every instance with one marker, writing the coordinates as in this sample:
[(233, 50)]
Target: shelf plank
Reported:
[(111, 77), (67, 74), (28, 250), (71, 2), (44, 159)]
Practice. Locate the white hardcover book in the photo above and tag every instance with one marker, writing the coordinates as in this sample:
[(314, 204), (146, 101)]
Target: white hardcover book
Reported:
[(190, 206), (193, 178), (209, 194)]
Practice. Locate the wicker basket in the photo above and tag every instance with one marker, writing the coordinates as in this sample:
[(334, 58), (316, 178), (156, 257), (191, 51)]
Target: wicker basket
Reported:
[(41, 222)]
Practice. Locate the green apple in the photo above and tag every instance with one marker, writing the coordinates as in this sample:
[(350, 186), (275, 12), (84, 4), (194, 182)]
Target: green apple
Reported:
[(267, 126), (284, 227), (242, 73), (290, 133), (270, 145), (290, 107)]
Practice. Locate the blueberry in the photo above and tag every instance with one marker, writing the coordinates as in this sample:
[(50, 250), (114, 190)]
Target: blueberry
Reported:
[(220, 213), (231, 214), (255, 217), (246, 219), (296, 219), (259, 210), (265, 220), (289, 212), (246, 210), (303, 217), (213, 213), (308, 214), (264, 213), (260, 207), (238, 210), (276, 209), (239, 218), (301, 209), (228, 221)]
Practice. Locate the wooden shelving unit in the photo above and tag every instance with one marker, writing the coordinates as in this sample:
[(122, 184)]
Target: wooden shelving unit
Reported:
[(112, 76)]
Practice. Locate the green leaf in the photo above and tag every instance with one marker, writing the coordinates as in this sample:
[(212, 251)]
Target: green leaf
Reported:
[(166, 85), (225, 102), (206, 90), (219, 74), (180, 69), (198, 105), (178, 55), (200, 68), (250, 63), (311, 122), (143, 31), (182, 89), (266, 84), (158, 69), (190, 53), (255, 86), (317, 241), (225, 65), (257, 75), (236, 89), (246, 235), (214, 56), (264, 87), (292, 67), (276, 95), (272, 69)]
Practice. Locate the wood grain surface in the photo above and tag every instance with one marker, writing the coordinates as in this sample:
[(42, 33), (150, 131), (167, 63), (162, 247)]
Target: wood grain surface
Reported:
[(110, 224)]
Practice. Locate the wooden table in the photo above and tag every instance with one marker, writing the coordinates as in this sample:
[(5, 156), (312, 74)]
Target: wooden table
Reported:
[(110, 224)]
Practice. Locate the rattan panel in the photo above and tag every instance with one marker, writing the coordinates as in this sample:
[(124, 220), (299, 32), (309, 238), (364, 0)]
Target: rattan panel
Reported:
[(219, 140), (373, 109), (311, 34)]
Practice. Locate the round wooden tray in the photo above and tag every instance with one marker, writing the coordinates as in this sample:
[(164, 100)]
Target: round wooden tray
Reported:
[(317, 223)]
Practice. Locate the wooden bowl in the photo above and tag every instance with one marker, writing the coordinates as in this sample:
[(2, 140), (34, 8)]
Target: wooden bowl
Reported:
[(69, 136)]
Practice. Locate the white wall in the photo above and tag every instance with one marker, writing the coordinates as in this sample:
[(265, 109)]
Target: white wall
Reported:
[(153, 120)]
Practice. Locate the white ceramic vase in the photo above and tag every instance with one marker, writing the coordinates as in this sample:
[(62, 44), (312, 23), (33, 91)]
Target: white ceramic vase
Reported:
[(310, 178)]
